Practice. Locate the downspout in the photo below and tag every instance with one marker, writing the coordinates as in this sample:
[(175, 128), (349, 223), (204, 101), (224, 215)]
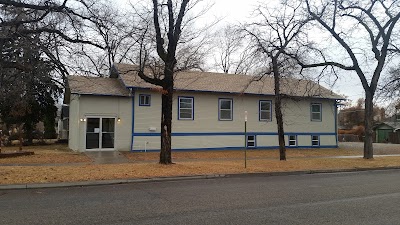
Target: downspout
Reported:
[(336, 126), (133, 118)]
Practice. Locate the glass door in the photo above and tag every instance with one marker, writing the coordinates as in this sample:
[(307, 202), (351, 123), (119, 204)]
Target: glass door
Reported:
[(100, 133), (93, 133), (107, 132)]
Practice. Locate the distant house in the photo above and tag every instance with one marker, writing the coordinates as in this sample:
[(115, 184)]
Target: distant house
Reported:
[(389, 131), (123, 112), (63, 123)]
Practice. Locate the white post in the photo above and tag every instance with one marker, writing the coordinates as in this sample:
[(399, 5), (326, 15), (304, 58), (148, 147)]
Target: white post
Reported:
[(245, 139)]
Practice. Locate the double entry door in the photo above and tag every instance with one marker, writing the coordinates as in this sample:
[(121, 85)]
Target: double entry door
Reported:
[(100, 133)]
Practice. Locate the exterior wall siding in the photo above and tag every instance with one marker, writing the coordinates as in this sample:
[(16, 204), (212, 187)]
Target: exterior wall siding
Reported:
[(206, 131), (83, 106), (73, 137)]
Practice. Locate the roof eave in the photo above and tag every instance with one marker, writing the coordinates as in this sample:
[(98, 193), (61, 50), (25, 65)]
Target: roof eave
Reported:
[(237, 93), (96, 94)]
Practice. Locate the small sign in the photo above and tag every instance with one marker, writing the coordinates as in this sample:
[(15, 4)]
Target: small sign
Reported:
[(97, 130)]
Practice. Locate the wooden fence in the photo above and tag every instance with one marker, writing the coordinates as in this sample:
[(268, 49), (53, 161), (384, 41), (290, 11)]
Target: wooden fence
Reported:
[(394, 137), (349, 138)]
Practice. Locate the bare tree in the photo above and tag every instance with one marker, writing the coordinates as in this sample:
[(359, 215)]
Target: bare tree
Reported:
[(117, 29), (56, 22), (32, 34), (232, 53), (344, 21), (169, 19), (390, 90), (275, 34)]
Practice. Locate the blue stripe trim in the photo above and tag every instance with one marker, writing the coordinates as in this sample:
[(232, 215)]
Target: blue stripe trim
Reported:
[(238, 148), (229, 134), (133, 119)]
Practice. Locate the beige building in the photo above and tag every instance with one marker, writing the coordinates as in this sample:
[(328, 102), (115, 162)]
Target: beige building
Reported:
[(123, 112)]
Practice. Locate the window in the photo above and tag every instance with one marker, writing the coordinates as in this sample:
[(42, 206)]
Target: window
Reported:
[(225, 109), (251, 141), (315, 140), (265, 111), (397, 117), (144, 100), (185, 108), (292, 140), (316, 112)]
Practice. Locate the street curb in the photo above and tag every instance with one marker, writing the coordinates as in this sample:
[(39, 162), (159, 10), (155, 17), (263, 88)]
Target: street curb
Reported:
[(308, 172), (161, 179), (105, 182)]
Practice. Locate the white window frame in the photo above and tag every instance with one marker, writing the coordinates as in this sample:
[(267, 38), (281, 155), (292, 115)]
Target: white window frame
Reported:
[(319, 113), (313, 141), (219, 109), (269, 111), (179, 107), (144, 97), (290, 142)]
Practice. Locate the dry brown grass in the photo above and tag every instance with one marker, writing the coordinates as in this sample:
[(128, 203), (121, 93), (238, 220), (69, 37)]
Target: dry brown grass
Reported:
[(189, 163), (291, 153), (44, 174), (45, 154)]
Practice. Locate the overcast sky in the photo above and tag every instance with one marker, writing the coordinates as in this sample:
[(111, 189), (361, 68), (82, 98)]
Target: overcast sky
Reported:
[(234, 11)]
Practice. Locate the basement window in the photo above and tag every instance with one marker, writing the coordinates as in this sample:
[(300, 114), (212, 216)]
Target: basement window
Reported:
[(292, 140), (315, 140), (251, 141)]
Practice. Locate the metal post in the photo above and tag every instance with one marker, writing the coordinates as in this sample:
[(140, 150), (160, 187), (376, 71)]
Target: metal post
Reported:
[(245, 139)]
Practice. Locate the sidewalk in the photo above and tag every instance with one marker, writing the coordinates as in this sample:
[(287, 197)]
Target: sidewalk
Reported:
[(107, 157)]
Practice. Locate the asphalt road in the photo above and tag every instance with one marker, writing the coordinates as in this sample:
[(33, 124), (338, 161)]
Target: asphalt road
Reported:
[(342, 198)]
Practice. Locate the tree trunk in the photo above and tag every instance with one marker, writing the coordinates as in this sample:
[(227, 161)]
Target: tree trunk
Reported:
[(278, 110), (281, 133), (1, 138), (368, 122), (166, 121), (21, 139), (29, 133)]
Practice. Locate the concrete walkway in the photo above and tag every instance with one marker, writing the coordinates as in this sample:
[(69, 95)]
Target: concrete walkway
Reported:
[(107, 157)]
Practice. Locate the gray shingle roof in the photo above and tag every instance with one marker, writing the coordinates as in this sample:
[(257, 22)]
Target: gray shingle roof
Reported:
[(395, 125), (96, 86), (229, 83)]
